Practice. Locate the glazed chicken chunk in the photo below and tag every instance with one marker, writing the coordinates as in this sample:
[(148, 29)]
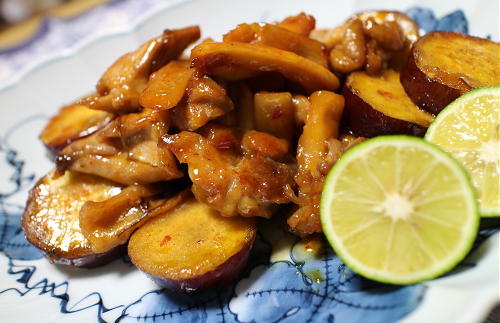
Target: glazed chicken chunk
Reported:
[(119, 88), (236, 174), (125, 151)]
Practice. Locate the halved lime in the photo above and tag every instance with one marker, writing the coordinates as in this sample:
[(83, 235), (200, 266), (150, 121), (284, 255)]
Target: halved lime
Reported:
[(468, 128), (399, 210)]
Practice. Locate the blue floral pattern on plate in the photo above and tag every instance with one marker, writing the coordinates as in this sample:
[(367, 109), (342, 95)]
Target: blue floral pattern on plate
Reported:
[(304, 288)]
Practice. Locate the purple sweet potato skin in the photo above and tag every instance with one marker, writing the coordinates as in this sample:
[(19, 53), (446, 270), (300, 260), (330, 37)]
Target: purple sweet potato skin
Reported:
[(220, 276), (427, 94), (361, 120), (90, 261)]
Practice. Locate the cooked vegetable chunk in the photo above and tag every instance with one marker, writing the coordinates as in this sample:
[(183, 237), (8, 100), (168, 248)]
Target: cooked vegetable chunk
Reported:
[(51, 217), (378, 105), (192, 247), (444, 65), (274, 113), (70, 123)]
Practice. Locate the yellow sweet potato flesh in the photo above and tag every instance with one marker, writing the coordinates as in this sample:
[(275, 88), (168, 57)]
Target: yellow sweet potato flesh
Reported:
[(459, 61), (51, 218), (386, 94), (189, 241), (72, 122)]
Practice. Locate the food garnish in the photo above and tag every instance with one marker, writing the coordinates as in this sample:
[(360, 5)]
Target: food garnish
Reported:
[(399, 210), (469, 129)]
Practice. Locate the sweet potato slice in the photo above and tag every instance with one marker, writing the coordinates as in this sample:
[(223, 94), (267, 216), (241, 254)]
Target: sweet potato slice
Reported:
[(378, 105), (70, 123), (192, 247), (234, 61), (444, 65), (51, 217), (274, 36), (167, 86)]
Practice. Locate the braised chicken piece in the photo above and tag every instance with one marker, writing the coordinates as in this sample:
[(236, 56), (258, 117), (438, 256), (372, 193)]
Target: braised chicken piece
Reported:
[(261, 143), (205, 100), (318, 149), (119, 88), (125, 151), (370, 40), (278, 37), (301, 24), (350, 54), (348, 141), (167, 86), (246, 176), (233, 61), (109, 223)]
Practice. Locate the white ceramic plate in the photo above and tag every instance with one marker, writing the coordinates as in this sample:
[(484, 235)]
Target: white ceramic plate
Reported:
[(64, 63)]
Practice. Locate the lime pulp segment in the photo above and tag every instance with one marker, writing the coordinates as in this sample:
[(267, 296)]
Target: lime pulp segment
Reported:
[(469, 129), (399, 210)]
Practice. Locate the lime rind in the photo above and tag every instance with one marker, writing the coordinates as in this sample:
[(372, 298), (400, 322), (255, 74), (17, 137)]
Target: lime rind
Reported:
[(450, 109), (443, 265), (457, 102)]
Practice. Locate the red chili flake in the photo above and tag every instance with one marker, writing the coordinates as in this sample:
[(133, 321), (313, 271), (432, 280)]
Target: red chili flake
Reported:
[(165, 240)]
